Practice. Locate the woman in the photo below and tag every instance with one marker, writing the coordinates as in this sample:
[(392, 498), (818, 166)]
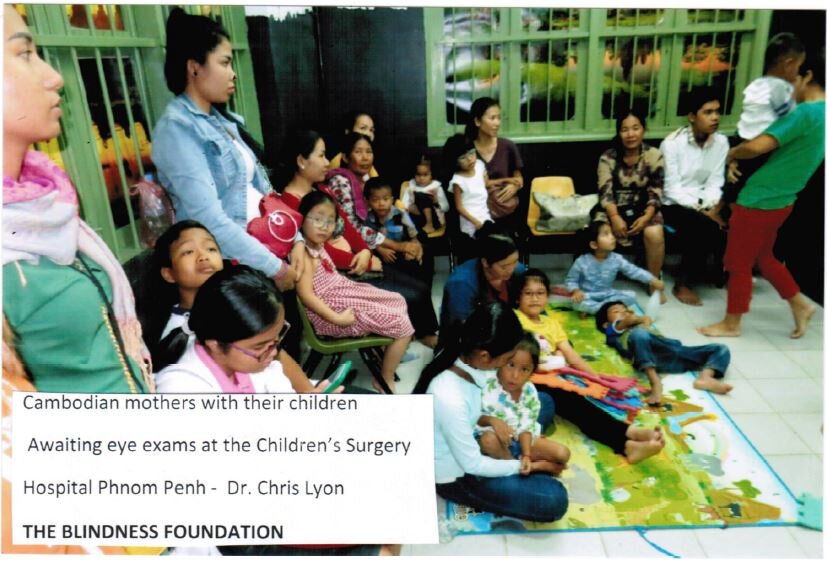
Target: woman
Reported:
[(502, 162), (65, 295), (346, 188), (304, 167), (229, 344), (206, 161), (477, 281), (630, 183), (357, 122), (463, 474)]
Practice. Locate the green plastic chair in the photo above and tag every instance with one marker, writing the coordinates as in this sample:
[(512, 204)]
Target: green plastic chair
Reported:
[(371, 348)]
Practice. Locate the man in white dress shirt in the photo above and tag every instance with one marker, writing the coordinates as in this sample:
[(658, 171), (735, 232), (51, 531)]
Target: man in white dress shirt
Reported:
[(695, 157)]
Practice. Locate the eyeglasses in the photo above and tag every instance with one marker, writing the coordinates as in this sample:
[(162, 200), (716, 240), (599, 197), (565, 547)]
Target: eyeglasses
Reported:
[(274, 345), (320, 222)]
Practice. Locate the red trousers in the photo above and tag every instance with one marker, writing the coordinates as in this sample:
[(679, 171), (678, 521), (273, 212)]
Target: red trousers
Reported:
[(750, 241)]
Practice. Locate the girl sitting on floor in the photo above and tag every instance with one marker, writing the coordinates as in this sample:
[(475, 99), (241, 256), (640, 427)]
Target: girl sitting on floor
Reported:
[(510, 411), (340, 307)]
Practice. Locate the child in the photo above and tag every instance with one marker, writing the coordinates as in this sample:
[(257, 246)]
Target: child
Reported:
[(227, 347), (391, 221), (425, 199), (530, 292), (629, 334), (340, 307), (467, 184), (510, 409), (184, 257), (766, 98), (591, 276)]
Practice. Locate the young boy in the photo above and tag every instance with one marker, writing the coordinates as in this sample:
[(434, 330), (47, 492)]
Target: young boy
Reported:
[(629, 334), (767, 98), (394, 223), (591, 275)]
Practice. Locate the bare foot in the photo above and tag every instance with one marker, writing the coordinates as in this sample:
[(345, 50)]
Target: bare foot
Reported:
[(801, 315), (429, 228), (720, 330), (712, 385), (687, 295), (655, 395), (637, 451), (643, 433), (556, 468)]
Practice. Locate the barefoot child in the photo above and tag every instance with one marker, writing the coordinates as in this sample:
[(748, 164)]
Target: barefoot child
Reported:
[(425, 199), (340, 307), (630, 335), (591, 276), (510, 409)]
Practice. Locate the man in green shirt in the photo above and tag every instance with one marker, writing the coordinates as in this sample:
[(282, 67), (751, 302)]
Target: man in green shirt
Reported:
[(796, 147)]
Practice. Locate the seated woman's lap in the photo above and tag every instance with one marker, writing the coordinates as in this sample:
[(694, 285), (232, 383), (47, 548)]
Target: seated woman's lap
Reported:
[(416, 292), (535, 497)]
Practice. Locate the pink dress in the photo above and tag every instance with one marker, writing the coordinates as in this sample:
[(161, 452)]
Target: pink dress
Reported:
[(377, 311)]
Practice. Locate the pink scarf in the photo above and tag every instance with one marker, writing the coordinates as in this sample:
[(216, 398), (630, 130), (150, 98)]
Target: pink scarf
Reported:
[(356, 184), (40, 220)]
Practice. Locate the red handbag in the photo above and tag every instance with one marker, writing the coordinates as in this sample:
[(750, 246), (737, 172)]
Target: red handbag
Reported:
[(277, 226)]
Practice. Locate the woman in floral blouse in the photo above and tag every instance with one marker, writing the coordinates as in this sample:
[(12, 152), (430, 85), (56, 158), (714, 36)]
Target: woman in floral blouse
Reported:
[(630, 183)]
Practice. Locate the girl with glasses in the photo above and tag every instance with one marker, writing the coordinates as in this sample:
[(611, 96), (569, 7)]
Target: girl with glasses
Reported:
[(184, 258), (237, 320), (340, 307)]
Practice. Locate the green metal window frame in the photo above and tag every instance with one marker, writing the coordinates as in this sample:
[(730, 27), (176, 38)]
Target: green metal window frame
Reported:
[(141, 41), (593, 29)]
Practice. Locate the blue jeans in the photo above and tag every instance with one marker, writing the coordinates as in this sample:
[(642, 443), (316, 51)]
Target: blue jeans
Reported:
[(536, 497), (667, 355), (547, 410)]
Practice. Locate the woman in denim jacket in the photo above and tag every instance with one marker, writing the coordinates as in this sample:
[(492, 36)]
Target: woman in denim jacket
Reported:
[(203, 157)]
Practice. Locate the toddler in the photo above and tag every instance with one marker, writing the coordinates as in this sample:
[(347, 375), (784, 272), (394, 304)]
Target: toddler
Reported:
[(510, 408), (591, 276), (530, 292), (391, 221), (630, 335), (425, 199), (340, 307), (467, 184), (767, 98)]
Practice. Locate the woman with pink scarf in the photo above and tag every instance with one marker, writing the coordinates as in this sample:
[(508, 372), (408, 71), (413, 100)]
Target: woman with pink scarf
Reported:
[(65, 296)]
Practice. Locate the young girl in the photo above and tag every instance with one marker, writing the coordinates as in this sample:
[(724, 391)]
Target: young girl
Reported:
[(591, 276), (238, 323), (185, 256), (340, 307), (467, 184), (510, 410), (484, 342), (529, 293), (425, 199)]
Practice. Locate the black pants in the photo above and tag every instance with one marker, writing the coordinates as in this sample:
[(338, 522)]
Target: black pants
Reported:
[(424, 201), (595, 423), (416, 292), (696, 237)]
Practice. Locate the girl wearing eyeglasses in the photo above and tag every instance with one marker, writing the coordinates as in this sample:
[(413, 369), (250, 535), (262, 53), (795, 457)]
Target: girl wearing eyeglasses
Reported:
[(340, 307), (237, 321)]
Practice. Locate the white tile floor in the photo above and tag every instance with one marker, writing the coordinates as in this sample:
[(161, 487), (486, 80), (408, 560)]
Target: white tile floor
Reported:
[(777, 402)]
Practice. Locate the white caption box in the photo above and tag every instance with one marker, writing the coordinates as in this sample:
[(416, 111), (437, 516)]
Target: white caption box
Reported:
[(178, 469)]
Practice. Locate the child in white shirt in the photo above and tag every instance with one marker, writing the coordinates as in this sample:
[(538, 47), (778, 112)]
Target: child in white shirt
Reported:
[(467, 184), (425, 199)]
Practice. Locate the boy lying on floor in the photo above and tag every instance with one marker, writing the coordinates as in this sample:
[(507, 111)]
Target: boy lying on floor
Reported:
[(629, 334)]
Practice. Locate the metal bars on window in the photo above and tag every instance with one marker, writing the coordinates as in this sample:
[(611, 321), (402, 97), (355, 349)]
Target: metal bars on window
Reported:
[(562, 71)]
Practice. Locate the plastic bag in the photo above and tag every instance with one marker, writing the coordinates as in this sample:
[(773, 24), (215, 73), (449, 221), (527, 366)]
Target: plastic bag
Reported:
[(154, 210)]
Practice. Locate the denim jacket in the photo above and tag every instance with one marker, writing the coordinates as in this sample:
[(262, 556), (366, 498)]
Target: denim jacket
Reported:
[(204, 174)]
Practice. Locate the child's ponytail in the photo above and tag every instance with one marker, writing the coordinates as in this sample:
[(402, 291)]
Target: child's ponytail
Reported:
[(170, 349)]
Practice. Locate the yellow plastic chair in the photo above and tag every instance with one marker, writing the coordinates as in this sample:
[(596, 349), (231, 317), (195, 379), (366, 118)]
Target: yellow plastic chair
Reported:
[(556, 186)]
